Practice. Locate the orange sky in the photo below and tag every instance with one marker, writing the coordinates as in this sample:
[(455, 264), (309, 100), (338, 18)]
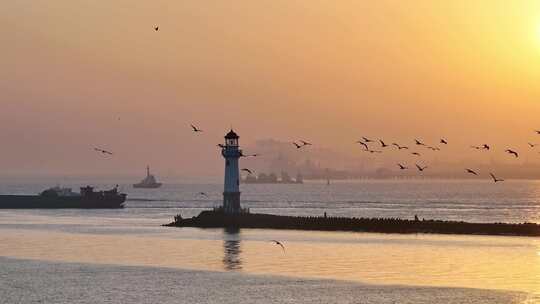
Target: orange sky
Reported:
[(326, 71)]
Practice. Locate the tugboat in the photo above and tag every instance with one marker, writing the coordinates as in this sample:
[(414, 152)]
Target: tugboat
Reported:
[(149, 182), (64, 198)]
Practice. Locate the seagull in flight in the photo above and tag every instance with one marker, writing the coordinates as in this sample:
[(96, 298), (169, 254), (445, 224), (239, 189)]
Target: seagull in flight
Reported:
[(103, 151), (433, 148), (495, 179), (421, 168), (402, 167), (383, 145), (443, 141), (156, 28), (195, 129), (363, 144), (537, 131), (511, 152), (415, 153), (247, 170), (305, 143), (367, 139), (532, 145), (471, 171), (280, 244), (399, 147), (419, 142), (485, 147), (297, 145)]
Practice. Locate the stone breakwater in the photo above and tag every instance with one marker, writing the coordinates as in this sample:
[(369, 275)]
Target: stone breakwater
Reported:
[(217, 219)]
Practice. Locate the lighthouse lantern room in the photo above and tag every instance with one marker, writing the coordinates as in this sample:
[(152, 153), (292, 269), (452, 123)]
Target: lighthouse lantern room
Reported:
[(231, 192)]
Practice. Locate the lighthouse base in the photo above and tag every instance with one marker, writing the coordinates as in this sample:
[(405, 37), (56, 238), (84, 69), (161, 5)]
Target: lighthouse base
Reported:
[(231, 202)]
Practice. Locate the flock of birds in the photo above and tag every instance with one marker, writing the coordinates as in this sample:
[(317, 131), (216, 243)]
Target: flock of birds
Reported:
[(367, 143)]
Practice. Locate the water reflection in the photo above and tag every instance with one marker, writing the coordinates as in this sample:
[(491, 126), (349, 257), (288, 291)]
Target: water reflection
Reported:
[(231, 249)]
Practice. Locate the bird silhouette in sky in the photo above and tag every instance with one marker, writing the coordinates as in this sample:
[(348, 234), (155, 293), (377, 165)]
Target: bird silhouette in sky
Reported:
[(443, 141), (420, 168), (156, 28), (195, 129), (476, 147), (305, 143), (415, 153), (103, 151), (471, 171), (485, 147), (532, 145), (247, 170), (297, 145), (399, 147), (537, 131), (419, 142), (373, 151), (496, 179), (383, 145), (363, 144), (367, 139), (509, 151), (280, 244), (402, 167), (433, 148)]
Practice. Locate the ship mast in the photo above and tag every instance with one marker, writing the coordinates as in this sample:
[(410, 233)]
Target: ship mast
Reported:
[(147, 170)]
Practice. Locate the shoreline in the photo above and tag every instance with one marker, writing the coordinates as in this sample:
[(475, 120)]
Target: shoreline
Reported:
[(217, 219)]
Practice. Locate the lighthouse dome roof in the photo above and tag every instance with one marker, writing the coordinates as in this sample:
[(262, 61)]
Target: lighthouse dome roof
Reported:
[(231, 135)]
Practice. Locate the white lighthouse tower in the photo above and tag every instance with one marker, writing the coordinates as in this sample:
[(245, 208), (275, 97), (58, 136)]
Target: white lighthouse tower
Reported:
[(231, 193)]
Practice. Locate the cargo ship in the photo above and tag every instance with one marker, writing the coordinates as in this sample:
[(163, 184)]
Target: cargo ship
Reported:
[(148, 182), (65, 198)]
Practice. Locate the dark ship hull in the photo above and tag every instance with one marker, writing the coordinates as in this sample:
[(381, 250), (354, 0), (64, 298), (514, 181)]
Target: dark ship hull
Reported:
[(40, 202)]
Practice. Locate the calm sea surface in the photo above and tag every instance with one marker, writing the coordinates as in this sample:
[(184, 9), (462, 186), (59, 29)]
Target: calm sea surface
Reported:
[(125, 256)]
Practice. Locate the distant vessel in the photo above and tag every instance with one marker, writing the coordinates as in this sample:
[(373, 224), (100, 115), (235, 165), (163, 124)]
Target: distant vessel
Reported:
[(63, 198), (148, 182)]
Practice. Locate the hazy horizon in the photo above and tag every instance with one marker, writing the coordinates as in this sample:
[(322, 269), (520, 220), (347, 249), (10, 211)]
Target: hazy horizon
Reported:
[(80, 74)]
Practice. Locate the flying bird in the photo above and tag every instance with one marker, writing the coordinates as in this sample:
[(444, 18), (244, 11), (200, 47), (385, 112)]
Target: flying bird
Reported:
[(156, 28), (305, 143), (373, 151), (103, 151), (195, 129), (419, 142), (532, 145), (476, 147), (367, 139), (402, 167), (382, 143), (485, 147), (443, 141), (537, 131), (433, 148), (471, 171), (421, 168), (399, 147), (415, 153), (363, 144), (511, 152), (495, 179), (247, 170), (297, 145), (280, 244)]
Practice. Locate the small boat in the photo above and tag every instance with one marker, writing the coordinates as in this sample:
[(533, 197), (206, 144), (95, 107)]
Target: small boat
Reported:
[(149, 182)]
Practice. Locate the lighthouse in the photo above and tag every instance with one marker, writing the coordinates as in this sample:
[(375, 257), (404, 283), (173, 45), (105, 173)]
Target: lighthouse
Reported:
[(231, 192)]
